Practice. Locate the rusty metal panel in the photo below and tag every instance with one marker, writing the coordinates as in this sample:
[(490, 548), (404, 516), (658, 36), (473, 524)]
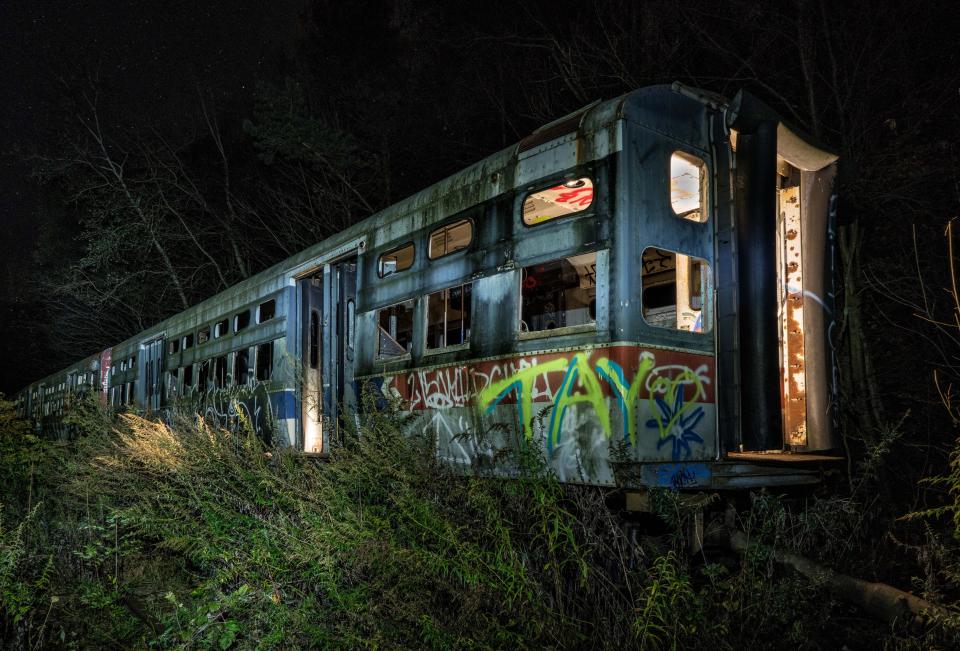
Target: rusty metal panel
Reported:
[(792, 340)]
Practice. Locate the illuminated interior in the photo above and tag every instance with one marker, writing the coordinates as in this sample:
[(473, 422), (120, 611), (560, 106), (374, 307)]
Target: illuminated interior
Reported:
[(561, 200), (688, 180)]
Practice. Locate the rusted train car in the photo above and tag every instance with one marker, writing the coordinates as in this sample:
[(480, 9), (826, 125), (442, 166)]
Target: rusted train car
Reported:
[(644, 287)]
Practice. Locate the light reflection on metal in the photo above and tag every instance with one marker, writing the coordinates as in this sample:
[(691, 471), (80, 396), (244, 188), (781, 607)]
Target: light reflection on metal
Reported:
[(792, 342)]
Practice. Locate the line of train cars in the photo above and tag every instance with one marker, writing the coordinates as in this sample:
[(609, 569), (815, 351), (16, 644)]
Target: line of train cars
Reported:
[(643, 287)]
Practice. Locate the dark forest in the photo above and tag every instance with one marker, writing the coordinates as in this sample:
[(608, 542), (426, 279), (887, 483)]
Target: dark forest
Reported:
[(159, 155)]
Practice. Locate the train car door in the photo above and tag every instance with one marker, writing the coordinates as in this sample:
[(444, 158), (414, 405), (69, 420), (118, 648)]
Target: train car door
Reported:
[(311, 397), (151, 372), (340, 339)]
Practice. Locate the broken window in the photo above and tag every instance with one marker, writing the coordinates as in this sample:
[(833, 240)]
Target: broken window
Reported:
[(221, 328), (396, 260), (188, 341), (450, 238), (241, 367), (174, 346), (559, 294), (203, 376), (266, 310), (448, 317), (395, 330), (265, 361), (569, 197), (241, 321), (220, 372), (688, 186), (203, 336), (173, 384), (188, 376), (676, 291)]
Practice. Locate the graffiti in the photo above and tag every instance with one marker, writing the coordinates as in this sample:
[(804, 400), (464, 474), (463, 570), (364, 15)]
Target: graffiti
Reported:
[(626, 395), (676, 418), (578, 401), (522, 383), (236, 408), (592, 395), (677, 476)]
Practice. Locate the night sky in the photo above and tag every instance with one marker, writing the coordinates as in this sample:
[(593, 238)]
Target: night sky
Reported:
[(149, 57)]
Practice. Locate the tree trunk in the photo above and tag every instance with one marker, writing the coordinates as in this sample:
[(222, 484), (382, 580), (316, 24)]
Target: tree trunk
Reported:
[(879, 600)]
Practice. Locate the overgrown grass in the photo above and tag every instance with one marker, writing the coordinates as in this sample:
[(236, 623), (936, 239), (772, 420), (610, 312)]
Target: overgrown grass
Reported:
[(142, 535)]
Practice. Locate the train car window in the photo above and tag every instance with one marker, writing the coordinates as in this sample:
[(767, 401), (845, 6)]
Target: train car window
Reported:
[(241, 367), (450, 239), (351, 322), (395, 330), (220, 372), (173, 384), (573, 196), (174, 346), (266, 311), (396, 260), (688, 186), (203, 376), (203, 336), (559, 294), (241, 321), (448, 317), (221, 328), (265, 361), (188, 376), (675, 291), (187, 341), (314, 352)]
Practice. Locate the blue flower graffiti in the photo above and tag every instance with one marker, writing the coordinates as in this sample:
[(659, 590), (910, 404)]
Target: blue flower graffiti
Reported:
[(676, 424)]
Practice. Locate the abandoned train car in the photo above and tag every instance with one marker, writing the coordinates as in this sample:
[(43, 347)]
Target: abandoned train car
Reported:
[(644, 287)]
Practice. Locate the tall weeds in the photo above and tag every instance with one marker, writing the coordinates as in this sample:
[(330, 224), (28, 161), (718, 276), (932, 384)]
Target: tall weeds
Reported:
[(182, 535)]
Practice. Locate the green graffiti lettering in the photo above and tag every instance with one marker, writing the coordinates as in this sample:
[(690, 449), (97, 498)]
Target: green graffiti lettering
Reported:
[(521, 383), (626, 396), (593, 394)]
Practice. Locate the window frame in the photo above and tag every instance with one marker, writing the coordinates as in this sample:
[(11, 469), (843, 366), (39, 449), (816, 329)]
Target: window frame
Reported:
[(582, 328), (588, 210), (704, 188), (413, 259), (706, 311), (425, 300), (273, 314), (378, 356), (447, 226)]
